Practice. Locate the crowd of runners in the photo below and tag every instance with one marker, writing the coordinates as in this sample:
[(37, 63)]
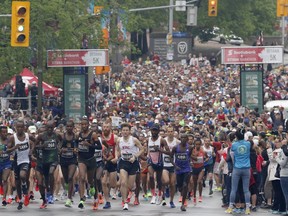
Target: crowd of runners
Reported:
[(162, 128)]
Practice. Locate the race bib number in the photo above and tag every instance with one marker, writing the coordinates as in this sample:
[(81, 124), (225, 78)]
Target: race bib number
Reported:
[(181, 156), (167, 159), (68, 154), (51, 146), (126, 156), (98, 154), (23, 147), (83, 148), (4, 156), (199, 160)]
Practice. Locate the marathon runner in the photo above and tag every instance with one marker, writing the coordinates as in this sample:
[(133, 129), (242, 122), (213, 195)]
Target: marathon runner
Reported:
[(49, 142), (182, 154), (129, 149), (68, 158), (156, 146), (87, 143), (109, 179), (168, 174), (5, 163), (20, 142)]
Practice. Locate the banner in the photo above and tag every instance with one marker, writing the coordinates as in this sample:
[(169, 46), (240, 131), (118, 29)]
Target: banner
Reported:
[(74, 88), (251, 89)]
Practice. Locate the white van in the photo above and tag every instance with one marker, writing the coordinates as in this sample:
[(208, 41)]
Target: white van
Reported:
[(276, 104)]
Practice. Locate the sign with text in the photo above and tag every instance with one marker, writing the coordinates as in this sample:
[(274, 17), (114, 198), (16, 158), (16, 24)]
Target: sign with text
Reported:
[(251, 89), (252, 55), (77, 58), (74, 88)]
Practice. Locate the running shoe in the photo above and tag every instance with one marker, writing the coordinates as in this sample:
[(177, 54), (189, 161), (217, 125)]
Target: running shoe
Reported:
[(92, 191), (163, 203), (76, 189), (125, 207), (200, 199), (158, 200), (172, 205), (145, 196), (68, 203), (95, 205), (9, 201), (254, 209), (167, 192), (17, 199), (4, 202), (44, 205), (63, 195), (275, 212), (20, 205), (114, 197), (37, 187), (180, 199), (81, 204), (195, 201), (31, 195), (219, 189), (26, 200), (50, 199), (153, 200), (183, 208), (100, 198), (186, 203), (149, 194), (107, 205), (136, 201), (229, 210), (128, 200), (210, 192)]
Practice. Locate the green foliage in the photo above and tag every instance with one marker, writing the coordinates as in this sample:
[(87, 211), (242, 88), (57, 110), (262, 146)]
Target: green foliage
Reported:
[(60, 24)]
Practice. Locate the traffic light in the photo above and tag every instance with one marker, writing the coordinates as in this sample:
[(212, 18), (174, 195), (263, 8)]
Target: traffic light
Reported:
[(212, 8), (282, 10), (20, 23)]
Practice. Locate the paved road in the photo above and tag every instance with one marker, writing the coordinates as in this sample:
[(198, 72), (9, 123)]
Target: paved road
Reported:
[(210, 206)]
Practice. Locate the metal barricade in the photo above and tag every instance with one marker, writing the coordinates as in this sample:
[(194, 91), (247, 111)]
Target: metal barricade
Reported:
[(15, 103)]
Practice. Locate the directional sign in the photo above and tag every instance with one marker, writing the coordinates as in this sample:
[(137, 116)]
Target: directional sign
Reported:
[(77, 58), (252, 55)]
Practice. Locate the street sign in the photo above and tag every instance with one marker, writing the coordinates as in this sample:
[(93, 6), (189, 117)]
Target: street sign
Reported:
[(252, 55), (77, 58), (180, 5)]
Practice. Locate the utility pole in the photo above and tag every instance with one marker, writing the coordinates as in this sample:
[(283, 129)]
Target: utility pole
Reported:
[(171, 8), (40, 78)]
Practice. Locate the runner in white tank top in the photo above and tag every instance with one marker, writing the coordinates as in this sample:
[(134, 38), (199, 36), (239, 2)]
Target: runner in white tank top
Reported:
[(128, 149), (21, 143), (168, 174)]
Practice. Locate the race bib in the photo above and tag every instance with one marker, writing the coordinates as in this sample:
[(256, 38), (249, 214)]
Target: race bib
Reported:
[(167, 159), (181, 156), (83, 148), (126, 156), (68, 154), (51, 145), (23, 147)]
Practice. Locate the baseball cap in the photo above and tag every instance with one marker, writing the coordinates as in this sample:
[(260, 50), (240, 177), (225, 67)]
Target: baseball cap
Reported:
[(155, 127), (32, 129)]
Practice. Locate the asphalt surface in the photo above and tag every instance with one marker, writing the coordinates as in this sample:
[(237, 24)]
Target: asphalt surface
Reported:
[(211, 205)]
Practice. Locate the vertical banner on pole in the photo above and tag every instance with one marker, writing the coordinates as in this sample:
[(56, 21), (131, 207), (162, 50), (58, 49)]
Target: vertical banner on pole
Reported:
[(74, 98), (251, 89)]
